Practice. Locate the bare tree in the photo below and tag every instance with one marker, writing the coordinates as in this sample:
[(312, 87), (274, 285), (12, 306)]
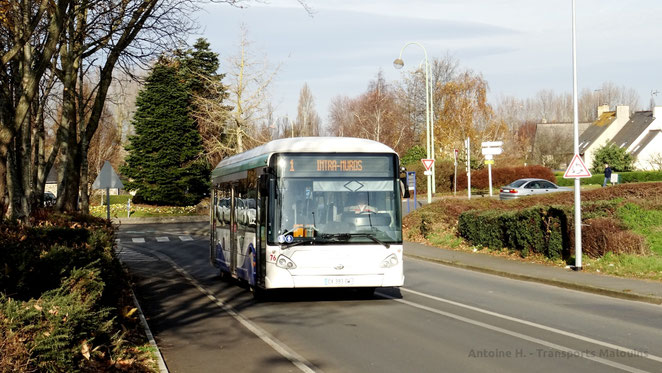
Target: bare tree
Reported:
[(249, 80), (308, 121), (340, 115), (29, 36), (375, 115)]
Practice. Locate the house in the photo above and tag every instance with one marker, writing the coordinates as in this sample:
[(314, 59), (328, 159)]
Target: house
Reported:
[(51, 181), (603, 130), (649, 152), (553, 143), (642, 137)]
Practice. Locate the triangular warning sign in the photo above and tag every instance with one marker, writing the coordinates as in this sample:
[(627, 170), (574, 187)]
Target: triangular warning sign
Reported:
[(427, 163), (107, 178), (577, 168)]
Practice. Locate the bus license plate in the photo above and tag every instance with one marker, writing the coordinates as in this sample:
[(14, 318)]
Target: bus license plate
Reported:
[(338, 281)]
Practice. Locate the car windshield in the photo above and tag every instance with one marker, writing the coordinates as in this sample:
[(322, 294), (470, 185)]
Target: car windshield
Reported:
[(517, 183), (329, 210)]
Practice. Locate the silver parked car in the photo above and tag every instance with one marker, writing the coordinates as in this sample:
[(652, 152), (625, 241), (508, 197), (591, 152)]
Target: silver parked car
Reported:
[(529, 187)]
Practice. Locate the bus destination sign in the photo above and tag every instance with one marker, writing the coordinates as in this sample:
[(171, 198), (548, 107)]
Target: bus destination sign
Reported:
[(339, 165), (333, 166)]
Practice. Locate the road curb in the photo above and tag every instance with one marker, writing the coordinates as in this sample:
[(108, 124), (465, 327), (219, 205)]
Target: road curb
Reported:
[(162, 219), (148, 332), (558, 283)]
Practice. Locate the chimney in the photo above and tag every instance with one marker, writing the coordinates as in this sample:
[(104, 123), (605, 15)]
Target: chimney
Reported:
[(602, 109), (657, 118), (623, 112)]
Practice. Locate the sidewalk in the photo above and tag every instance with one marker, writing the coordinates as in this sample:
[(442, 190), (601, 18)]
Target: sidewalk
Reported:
[(631, 289)]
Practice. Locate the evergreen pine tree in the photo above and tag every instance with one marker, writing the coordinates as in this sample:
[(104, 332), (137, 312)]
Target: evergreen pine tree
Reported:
[(164, 164)]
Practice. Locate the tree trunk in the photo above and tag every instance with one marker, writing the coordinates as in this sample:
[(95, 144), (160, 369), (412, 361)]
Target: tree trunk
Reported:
[(68, 174)]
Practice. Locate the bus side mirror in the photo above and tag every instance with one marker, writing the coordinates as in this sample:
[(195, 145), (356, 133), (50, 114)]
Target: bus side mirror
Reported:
[(404, 187)]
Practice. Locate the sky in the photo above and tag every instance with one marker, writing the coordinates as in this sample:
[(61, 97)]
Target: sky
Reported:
[(519, 46)]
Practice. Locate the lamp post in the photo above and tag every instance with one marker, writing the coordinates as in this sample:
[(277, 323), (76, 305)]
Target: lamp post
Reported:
[(398, 64), (578, 213)]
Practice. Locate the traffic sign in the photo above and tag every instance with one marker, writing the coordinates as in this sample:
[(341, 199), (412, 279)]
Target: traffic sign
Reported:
[(489, 144), (489, 161), (107, 178), (576, 169), (427, 163), (492, 151)]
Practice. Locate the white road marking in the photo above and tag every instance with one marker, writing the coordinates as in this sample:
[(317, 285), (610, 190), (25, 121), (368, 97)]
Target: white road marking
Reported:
[(280, 347), (162, 239), (128, 255), (569, 351), (186, 238), (628, 351), (138, 240)]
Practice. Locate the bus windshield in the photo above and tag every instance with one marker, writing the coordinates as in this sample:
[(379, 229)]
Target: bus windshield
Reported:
[(332, 198)]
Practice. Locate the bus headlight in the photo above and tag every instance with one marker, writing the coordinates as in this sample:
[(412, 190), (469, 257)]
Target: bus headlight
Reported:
[(390, 261), (285, 262)]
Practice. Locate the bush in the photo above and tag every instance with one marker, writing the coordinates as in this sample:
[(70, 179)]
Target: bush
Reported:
[(120, 199), (61, 290), (624, 178), (541, 230), (608, 235), (503, 176), (618, 158), (56, 326)]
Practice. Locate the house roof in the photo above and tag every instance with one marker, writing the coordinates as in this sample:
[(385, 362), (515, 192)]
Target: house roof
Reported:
[(645, 141), (596, 129), (633, 128), (51, 178)]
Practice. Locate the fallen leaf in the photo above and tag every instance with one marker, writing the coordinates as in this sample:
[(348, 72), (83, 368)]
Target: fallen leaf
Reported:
[(85, 350)]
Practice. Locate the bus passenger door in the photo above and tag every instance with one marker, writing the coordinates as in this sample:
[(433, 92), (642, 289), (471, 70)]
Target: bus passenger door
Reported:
[(233, 232)]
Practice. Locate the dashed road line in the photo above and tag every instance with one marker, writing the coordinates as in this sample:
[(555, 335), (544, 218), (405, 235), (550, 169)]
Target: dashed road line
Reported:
[(186, 238), (138, 240), (296, 359), (162, 239), (128, 255)]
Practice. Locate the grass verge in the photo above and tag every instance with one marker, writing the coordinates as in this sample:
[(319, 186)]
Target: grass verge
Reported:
[(637, 207)]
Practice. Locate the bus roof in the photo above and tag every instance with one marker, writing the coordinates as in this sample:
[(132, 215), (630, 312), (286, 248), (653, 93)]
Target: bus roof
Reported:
[(259, 156)]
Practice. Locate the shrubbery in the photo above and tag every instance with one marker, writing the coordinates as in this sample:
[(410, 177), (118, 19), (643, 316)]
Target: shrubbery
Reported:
[(623, 219), (503, 176), (541, 230), (624, 178), (62, 289), (445, 169)]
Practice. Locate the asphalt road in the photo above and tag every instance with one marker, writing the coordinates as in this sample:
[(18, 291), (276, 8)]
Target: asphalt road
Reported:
[(443, 319)]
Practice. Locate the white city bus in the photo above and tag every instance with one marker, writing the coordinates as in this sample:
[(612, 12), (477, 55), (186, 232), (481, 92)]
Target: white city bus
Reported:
[(309, 212)]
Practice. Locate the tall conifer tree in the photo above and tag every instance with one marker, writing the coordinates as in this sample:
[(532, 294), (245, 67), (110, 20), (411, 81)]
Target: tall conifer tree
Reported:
[(164, 164)]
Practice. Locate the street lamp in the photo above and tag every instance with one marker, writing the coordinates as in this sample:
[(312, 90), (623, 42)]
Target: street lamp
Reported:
[(398, 64)]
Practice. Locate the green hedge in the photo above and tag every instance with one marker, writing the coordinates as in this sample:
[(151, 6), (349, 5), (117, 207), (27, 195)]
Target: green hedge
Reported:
[(625, 177), (541, 229), (114, 199)]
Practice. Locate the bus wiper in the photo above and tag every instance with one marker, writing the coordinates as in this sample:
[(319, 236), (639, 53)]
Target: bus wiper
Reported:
[(347, 236), (297, 243)]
